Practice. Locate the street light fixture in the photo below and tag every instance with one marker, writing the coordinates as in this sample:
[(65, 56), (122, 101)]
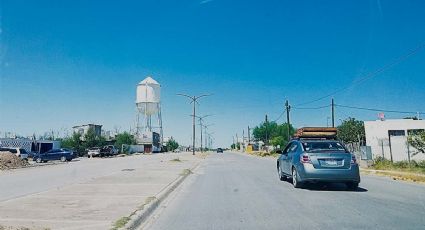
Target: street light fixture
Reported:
[(194, 100)]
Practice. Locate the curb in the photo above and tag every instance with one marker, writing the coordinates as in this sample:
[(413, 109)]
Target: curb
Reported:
[(139, 216)]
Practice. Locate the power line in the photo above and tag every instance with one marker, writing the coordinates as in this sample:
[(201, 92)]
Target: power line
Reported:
[(280, 116), (372, 74), (378, 110), (312, 108)]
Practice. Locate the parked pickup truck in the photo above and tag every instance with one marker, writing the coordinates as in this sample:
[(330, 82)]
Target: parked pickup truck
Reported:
[(19, 152), (105, 151)]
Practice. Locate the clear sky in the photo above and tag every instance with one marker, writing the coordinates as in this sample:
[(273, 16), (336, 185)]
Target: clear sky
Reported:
[(65, 63)]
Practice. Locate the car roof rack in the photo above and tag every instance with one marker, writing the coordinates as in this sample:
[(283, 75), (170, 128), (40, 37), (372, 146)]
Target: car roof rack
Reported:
[(316, 133)]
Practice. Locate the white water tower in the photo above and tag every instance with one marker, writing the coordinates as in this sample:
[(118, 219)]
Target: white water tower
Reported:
[(148, 104)]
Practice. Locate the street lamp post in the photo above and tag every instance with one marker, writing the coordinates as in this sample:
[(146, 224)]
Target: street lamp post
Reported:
[(194, 100), (201, 120), (205, 132)]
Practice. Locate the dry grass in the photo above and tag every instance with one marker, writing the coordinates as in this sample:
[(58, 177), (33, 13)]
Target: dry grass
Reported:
[(20, 228), (402, 170), (121, 223), (264, 154), (398, 175), (202, 155), (186, 172), (176, 160)]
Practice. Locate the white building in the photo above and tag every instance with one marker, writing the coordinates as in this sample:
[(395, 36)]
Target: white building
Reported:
[(388, 138), (83, 129)]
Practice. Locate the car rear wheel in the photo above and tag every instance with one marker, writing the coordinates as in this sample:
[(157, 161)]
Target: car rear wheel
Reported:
[(281, 176), (63, 158), (295, 181), (352, 185)]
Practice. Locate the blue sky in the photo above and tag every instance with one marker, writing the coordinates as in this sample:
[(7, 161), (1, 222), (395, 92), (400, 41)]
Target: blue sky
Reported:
[(65, 63)]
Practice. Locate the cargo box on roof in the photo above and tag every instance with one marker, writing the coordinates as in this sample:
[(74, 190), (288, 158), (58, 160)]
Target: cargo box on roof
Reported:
[(316, 132)]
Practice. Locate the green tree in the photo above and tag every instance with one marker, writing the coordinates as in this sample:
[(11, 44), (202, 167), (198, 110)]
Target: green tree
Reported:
[(351, 130), (74, 142), (172, 145), (278, 141), (91, 139), (417, 140), (124, 138), (276, 134)]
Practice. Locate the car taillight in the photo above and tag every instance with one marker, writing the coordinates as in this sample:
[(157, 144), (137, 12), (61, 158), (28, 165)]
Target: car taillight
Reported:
[(353, 160), (305, 159)]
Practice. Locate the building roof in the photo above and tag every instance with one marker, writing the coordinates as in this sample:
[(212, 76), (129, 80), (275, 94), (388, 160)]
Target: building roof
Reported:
[(149, 81), (78, 126)]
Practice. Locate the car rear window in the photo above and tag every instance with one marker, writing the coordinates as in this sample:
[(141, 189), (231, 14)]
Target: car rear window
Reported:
[(323, 146)]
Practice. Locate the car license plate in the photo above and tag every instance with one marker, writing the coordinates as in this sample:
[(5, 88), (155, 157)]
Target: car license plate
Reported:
[(332, 162)]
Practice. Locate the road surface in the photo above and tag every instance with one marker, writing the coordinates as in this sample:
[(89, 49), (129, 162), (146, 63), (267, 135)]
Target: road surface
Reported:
[(235, 191)]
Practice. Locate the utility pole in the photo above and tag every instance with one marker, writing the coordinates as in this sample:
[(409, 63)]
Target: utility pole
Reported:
[(288, 109), (333, 113), (200, 123), (205, 132), (237, 141), (267, 129), (206, 137), (201, 120), (249, 135), (243, 140), (194, 100)]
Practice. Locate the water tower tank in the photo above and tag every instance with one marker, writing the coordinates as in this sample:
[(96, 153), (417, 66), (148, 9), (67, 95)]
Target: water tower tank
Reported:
[(148, 96)]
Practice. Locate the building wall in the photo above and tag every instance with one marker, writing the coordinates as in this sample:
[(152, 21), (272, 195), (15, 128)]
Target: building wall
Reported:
[(83, 129), (27, 144), (383, 145)]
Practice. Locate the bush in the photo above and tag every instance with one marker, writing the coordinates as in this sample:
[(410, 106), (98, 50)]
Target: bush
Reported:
[(381, 163)]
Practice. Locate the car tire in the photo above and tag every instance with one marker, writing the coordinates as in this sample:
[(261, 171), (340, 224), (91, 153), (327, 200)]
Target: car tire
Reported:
[(63, 159), (38, 160), (352, 186), (295, 181), (280, 173)]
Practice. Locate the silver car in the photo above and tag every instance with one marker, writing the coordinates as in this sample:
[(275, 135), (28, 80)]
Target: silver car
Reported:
[(318, 161)]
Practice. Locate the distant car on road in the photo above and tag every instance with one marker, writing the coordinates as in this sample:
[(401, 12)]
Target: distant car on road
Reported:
[(219, 150), (54, 154), (19, 152), (315, 160)]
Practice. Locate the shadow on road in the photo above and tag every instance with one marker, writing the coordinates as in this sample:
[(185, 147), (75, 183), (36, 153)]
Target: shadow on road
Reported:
[(332, 187), (337, 187)]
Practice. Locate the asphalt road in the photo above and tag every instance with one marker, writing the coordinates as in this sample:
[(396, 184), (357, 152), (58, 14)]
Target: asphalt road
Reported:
[(233, 191)]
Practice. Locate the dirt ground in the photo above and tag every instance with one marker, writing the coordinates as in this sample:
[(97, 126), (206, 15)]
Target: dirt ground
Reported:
[(11, 161)]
